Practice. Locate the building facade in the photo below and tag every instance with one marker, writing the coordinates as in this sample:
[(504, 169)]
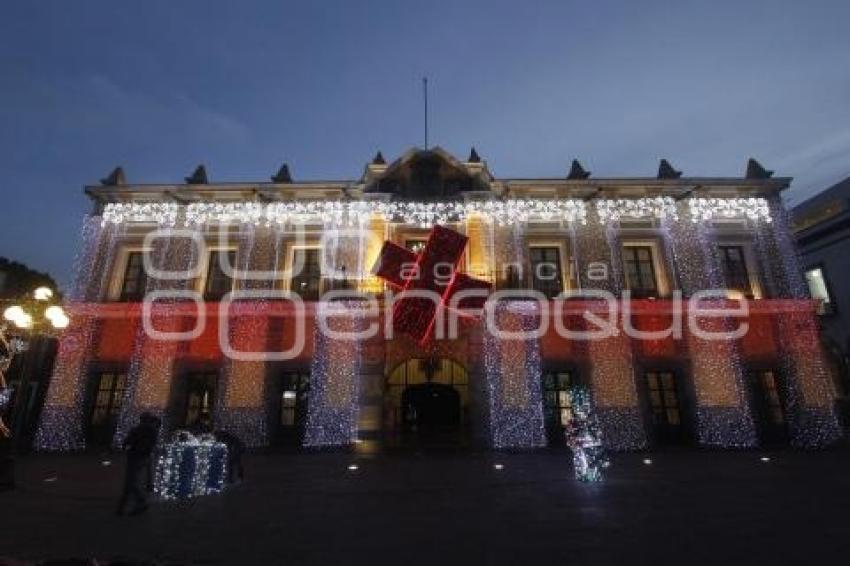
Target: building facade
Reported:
[(821, 226), (206, 302)]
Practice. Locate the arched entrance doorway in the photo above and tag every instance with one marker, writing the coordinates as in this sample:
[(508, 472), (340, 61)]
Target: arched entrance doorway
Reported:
[(427, 402)]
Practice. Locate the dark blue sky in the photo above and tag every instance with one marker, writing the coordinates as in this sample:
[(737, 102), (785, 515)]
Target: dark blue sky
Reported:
[(162, 86)]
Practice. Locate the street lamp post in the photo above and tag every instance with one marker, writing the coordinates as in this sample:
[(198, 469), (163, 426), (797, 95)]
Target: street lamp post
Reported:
[(35, 316)]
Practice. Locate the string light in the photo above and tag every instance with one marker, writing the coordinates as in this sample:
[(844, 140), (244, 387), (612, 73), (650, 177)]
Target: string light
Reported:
[(164, 213), (584, 437), (503, 212), (730, 208), (333, 405), (226, 212), (513, 372), (636, 208)]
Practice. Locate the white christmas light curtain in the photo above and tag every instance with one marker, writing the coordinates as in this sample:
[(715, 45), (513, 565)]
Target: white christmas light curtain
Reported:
[(502, 212)]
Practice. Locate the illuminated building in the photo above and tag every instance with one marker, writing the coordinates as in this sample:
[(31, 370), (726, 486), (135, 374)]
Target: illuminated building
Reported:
[(656, 238)]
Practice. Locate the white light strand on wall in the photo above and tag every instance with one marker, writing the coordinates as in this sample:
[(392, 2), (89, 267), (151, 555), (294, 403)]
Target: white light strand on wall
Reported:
[(703, 209), (636, 209), (164, 213), (503, 212), (200, 213)]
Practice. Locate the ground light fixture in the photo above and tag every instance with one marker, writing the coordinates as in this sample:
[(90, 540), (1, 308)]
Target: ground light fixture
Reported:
[(353, 467), (647, 461), (498, 467)]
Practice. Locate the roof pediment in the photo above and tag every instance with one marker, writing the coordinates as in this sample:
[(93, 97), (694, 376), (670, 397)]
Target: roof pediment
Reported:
[(427, 174)]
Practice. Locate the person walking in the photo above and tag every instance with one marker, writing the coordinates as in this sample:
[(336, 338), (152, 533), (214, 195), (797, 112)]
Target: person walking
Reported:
[(139, 444), (235, 450)]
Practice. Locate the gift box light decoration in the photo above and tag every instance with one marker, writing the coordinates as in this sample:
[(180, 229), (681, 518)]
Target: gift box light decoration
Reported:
[(190, 467)]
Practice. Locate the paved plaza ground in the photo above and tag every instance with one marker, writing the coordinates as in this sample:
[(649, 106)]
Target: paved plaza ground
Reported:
[(686, 507)]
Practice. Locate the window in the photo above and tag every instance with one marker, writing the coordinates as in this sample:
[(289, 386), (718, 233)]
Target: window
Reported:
[(767, 406), (135, 281), (512, 277), (108, 398), (546, 275), (663, 397), (293, 399), (200, 398), (307, 273), (770, 397), (734, 264), (557, 404), (665, 407), (640, 271), (415, 245), (819, 289), (218, 282)]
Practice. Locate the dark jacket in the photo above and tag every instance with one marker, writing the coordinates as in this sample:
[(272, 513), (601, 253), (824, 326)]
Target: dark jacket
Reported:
[(141, 441)]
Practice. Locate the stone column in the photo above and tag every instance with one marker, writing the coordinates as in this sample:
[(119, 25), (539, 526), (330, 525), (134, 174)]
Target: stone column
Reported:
[(778, 255), (809, 388), (512, 367), (597, 251), (723, 414), (243, 410), (615, 395), (722, 409), (242, 400), (61, 422), (334, 403)]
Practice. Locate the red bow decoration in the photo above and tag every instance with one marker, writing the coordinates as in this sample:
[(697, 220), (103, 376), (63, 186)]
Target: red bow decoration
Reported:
[(426, 271)]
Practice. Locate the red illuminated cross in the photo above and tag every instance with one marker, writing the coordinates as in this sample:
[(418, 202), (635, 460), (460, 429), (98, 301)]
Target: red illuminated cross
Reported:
[(427, 271)]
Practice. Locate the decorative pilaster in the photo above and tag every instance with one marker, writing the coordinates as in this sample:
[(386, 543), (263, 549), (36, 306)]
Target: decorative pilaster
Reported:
[(242, 397), (809, 389), (612, 381), (597, 252), (512, 367), (723, 414), (61, 423), (333, 409)]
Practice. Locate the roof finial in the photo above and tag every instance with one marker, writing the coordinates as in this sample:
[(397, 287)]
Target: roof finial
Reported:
[(379, 159), (577, 171), (756, 171), (198, 177), (425, 98), (666, 171), (114, 178), (473, 156), (282, 175)]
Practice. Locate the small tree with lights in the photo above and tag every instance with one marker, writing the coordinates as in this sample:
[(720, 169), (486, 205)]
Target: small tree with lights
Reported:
[(584, 437)]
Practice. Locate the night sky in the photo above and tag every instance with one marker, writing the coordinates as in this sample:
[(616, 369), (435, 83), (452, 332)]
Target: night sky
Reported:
[(159, 87)]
